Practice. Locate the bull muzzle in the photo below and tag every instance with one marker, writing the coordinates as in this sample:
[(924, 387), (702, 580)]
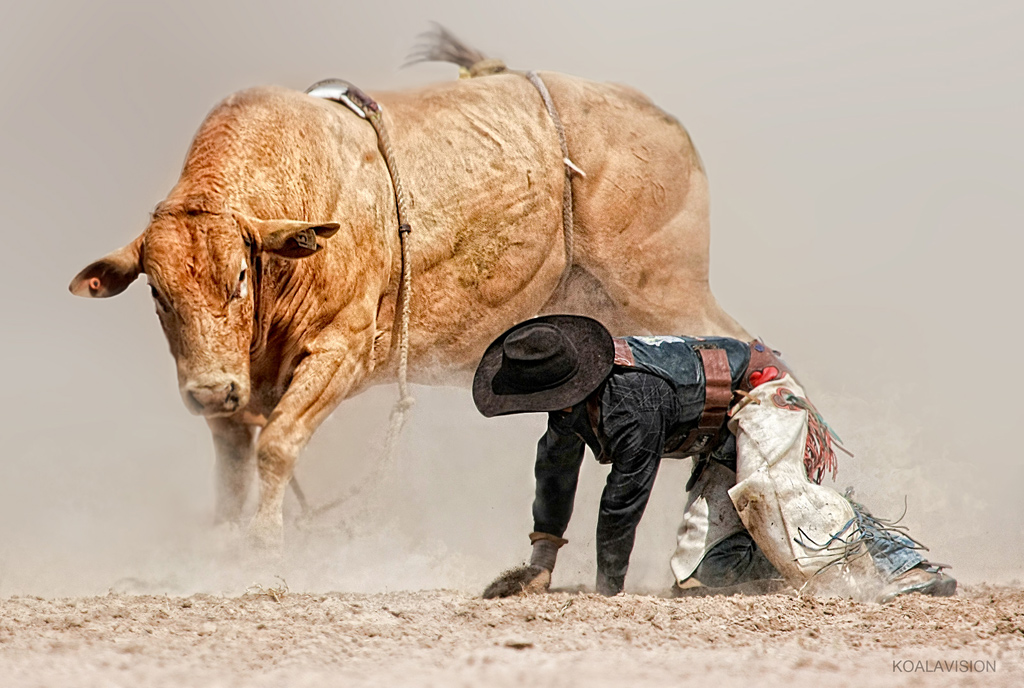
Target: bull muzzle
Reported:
[(213, 398)]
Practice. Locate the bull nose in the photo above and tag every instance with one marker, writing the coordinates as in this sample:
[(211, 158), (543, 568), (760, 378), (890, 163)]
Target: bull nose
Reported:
[(217, 397)]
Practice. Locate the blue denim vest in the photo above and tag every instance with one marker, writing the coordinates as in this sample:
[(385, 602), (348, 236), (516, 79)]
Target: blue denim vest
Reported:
[(675, 359)]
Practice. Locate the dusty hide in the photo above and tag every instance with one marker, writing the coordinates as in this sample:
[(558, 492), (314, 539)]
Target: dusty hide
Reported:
[(482, 165)]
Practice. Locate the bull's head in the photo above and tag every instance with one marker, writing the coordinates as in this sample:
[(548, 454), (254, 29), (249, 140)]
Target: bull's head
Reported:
[(202, 269)]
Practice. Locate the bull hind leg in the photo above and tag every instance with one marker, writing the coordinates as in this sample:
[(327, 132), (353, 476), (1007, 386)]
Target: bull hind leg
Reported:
[(651, 300), (584, 294), (667, 306), (650, 282)]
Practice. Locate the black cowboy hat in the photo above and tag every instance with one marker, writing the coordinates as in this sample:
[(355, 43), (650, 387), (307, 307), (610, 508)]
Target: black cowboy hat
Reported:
[(544, 364)]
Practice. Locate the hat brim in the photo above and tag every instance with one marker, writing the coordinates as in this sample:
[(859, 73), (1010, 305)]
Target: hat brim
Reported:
[(596, 353)]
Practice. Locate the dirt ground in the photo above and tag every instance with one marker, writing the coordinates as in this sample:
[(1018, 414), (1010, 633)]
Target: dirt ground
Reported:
[(444, 638)]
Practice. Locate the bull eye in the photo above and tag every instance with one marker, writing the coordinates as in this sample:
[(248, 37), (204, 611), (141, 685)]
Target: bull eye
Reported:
[(156, 297), (242, 288)]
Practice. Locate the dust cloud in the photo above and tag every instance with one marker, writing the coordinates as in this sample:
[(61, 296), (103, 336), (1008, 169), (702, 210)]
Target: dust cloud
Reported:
[(865, 177)]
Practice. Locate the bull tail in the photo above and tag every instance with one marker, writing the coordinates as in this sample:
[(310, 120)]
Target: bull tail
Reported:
[(440, 45)]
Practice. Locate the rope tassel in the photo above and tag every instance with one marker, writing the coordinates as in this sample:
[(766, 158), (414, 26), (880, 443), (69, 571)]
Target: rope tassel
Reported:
[(822, 440)]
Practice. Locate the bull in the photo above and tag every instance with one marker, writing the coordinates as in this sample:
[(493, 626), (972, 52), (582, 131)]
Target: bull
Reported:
[(275, 263)]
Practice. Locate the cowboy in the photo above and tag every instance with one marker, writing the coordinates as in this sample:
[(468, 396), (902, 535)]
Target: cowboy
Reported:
[(759, 449)]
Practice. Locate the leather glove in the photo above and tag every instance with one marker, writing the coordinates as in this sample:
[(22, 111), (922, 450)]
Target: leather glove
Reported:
[(535, 577)]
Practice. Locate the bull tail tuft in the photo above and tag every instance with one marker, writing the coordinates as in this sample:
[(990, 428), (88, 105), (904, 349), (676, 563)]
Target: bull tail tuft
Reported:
[(440, 45)]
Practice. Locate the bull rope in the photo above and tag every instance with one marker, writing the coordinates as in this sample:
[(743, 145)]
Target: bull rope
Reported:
[(400, 411), (446, 48), (364, 106)]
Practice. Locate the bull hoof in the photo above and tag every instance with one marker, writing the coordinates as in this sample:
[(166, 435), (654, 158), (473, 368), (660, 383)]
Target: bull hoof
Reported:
[(228, 528), (265, 537), (226, 536)]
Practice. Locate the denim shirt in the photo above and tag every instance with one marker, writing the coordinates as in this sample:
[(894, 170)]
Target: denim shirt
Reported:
[(639, 411)]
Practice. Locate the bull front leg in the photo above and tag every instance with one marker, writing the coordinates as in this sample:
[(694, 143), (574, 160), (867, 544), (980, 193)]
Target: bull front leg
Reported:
[(234, 445), (319, 384)]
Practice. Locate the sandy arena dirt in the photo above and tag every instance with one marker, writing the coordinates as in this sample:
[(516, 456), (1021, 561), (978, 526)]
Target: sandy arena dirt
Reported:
[(443, 638)]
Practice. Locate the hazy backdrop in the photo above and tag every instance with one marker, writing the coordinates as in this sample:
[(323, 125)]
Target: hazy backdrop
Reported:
[(866, 168)]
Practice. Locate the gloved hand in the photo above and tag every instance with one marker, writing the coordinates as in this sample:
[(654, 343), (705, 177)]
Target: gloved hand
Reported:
[(535, 577), (521, 580)]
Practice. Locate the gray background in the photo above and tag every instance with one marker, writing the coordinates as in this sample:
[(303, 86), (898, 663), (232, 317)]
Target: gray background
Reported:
[(865, 163)]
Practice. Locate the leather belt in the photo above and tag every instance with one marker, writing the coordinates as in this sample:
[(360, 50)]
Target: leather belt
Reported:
[(717, 395)]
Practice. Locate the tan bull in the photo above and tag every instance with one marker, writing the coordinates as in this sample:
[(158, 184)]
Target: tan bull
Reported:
[(271, 333)]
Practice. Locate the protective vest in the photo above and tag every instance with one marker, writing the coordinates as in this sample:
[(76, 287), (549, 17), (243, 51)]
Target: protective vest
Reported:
[(703, 371)]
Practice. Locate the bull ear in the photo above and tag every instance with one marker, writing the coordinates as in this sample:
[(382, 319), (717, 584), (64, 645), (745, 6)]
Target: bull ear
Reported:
[(291, 238), (111, 275)]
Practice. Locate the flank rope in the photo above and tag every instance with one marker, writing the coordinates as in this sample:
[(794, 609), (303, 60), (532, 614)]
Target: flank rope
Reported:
[(441, 45), (570, 168)]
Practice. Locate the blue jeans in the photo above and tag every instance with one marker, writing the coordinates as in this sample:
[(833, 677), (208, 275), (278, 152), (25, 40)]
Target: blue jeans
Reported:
[(737, 559), (893, 552), (733, 561)]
